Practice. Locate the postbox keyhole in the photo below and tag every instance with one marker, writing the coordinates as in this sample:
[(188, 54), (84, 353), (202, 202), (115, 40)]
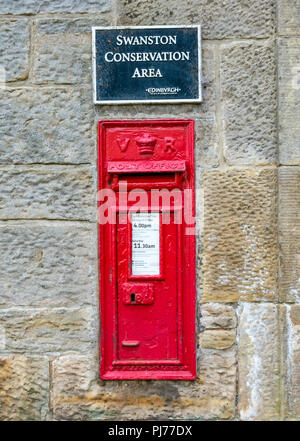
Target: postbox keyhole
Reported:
[(132, 297)]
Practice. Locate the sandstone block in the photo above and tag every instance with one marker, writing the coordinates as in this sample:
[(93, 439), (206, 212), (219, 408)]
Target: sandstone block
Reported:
[(248, 81), (44, 331), (14, 50), (47, 266), (240, 249), (24, 388), (63, 50), (289, 100), (217, 338), (36, 6), (48, 192), (288, 17), (289, 233), (46, 125), (259, 372), (218, 316), (290, 329), (206, 143), (2, 338), (208, 79), (78, 395), (220, 19)]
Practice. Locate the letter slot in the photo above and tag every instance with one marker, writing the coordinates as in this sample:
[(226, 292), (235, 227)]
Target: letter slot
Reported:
[(147, 249)]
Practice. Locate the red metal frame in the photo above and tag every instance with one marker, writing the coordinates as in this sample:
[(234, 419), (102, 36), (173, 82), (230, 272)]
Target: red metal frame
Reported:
[(181, 165)]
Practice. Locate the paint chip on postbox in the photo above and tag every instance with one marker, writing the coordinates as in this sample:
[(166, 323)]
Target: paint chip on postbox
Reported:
[(145, 244)]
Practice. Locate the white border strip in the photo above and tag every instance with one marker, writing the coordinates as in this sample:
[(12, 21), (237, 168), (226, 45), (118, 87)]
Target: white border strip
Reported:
[(158, 101)]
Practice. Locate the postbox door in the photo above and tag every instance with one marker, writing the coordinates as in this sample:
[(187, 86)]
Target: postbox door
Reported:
[(147, 256), (148, 288)]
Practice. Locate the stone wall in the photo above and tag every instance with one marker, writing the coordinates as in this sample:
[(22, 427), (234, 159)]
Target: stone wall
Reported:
[(248, 203)]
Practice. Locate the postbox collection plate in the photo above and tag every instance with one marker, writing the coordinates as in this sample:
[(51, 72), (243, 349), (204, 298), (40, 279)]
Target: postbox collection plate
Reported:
[(147, 249)]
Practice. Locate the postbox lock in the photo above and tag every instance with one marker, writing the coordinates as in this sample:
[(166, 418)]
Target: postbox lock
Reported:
[(137, 293)]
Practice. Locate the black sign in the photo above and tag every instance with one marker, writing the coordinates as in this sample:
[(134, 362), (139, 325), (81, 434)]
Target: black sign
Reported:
[(147, 64)]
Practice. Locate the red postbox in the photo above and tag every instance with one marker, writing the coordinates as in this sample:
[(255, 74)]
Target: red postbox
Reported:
[(147, 249)]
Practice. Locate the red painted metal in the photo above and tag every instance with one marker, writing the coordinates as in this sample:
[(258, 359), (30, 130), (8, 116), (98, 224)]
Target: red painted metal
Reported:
[(145, 166), (147, 320)]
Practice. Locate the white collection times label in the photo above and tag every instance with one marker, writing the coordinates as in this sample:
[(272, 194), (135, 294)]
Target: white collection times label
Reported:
[(145, 244)]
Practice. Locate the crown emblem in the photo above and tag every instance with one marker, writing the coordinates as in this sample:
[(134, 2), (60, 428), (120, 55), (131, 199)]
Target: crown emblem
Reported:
[(146, 143)]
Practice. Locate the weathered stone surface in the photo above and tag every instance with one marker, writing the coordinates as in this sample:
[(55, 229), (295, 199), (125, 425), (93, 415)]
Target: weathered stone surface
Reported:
[(14, 50), (46, 125), (24, 388), (78, 395), (240, 236), (218, 323), (217, 315), (209, 70), (47, 192), (289, 233), (2, 338), (152, 111), (248, 81), (206, 143), (289, 100), (259, 373), (288, 17), (47, 330), (220, 19), (290, 359), (35, 6), (47, 266), (217, 338), (63, 49)]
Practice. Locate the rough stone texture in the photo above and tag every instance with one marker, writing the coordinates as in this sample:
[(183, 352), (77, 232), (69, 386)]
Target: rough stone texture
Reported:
[(46, 192), (77, 394), (2, 338), (14, 50), (290, 356), (218, 322), (218, 316), (36, 6), (209, 70), (151, 111), (289, 233), (24, 388), (206, 143), (240, 237), (289, 100), (220, 18), (49, 330), (46, 125), (47, 266), (259, 374), (217, 338), (248, 81), (63, 50), (289, 17)]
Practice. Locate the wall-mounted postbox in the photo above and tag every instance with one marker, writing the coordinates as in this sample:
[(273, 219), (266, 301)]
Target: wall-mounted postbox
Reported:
[(147, 249)]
